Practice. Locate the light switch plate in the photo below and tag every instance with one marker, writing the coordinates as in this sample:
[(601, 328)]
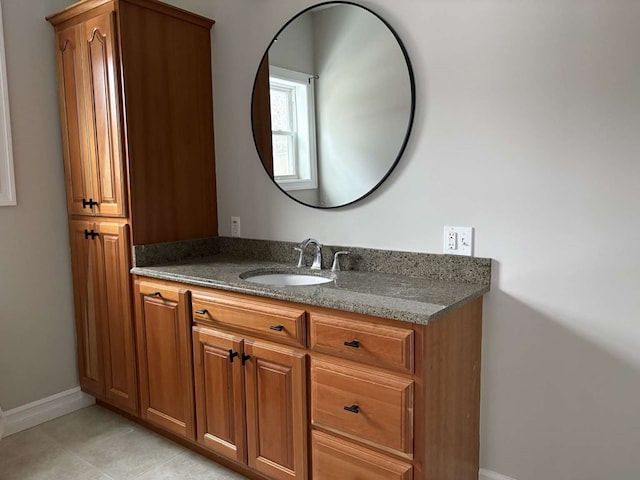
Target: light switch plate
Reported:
[(458, 241)]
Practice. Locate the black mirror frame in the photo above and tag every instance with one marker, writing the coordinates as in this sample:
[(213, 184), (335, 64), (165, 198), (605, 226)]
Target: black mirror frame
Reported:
[(411, 113)]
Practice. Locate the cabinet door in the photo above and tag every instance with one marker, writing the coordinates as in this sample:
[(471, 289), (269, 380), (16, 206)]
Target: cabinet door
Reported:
[(73, 120), (103, 116), (87, 265), (164, 357), (219, 387), (275, 382), (104, 325), (118, 340)]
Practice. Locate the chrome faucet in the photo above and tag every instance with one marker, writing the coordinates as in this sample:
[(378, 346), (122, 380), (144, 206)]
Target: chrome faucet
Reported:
[(317, 261)]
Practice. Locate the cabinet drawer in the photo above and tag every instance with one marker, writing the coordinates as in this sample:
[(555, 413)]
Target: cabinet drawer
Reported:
[(373, 407), (381, 345), (277, 322), (335, 459)]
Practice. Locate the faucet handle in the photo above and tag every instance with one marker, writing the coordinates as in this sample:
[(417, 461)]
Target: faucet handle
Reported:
[(336, 260), (301, 257)]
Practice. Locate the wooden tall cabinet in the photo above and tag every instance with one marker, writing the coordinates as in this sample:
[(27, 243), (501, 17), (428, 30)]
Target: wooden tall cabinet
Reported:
[(136, 113)]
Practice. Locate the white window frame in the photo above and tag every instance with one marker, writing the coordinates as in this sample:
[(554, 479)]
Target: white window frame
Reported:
[(7, 179), (305, 141)]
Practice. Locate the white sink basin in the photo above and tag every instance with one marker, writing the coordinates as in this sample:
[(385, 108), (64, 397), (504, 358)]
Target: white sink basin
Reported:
[(286, 279)]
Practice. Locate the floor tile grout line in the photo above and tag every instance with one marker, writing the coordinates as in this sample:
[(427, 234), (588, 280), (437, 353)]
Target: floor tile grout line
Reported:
[(159, 465), (102, 472), (111, 431), (71, 449), (142, 472)]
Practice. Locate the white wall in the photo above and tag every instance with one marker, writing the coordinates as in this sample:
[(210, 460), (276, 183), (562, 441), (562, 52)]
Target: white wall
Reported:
[(528, 112), (37, 346), (527, 128)]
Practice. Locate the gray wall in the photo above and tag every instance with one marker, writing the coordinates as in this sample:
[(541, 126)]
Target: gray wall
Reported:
[(526, 128), (37, 347), (294, 49)]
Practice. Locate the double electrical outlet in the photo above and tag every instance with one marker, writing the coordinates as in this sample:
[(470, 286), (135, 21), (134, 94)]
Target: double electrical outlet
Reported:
[(458, 241), (235, 226)]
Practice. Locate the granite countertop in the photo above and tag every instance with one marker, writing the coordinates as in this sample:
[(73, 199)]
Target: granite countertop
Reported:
[(410, 298)]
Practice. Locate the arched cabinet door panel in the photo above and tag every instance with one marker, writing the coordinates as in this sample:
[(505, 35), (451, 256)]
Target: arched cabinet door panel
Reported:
[(103, 116), (164, 357), (90, 117)]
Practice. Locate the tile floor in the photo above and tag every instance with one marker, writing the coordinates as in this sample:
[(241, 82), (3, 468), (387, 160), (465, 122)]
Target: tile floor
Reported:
[(96, 444)]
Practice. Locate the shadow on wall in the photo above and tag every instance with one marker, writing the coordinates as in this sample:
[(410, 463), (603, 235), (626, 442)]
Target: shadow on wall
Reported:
[(554, 405)]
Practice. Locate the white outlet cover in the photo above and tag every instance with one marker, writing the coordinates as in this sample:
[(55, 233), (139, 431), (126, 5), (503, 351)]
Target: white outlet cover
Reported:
[(464, 243), (235, 226)]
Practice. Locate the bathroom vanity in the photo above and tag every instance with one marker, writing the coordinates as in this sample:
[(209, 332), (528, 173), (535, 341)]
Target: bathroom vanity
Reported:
[(372, 375)]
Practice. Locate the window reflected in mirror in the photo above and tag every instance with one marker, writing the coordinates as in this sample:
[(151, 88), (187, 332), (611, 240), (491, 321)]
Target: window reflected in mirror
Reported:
[(293, 129)]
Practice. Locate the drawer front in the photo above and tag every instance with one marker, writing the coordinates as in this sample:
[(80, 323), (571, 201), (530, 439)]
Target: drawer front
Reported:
[(380, 345), (335, 459), (275, 322), (373, 407)]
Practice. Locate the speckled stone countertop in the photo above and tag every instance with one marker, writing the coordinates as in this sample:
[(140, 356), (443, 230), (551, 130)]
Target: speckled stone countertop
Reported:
[(415, 287)]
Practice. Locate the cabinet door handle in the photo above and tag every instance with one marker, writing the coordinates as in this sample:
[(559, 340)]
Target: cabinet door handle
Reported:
[(353, 408), (277, 328), (90, 233), (204, 311), (232, 355), (244, 358), (90, 203), (154, 294), (352, 344)]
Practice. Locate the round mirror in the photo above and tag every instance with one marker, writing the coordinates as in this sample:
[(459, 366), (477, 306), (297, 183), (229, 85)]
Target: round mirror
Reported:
[(333, 104)]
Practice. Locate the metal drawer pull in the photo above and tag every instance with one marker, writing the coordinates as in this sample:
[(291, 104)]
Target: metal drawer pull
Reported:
[(204, 311), (232, 354), (245, 357), (277, 328), (353, 408), (352, 344), (154, 294)]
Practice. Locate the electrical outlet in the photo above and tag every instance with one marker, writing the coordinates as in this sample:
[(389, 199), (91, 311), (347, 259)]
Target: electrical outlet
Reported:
[(235, 226), (452, 240), (458, 241)]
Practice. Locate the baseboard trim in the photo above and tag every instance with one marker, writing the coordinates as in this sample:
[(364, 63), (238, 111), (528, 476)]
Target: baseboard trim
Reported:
[(489, 475), (40, 411)]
